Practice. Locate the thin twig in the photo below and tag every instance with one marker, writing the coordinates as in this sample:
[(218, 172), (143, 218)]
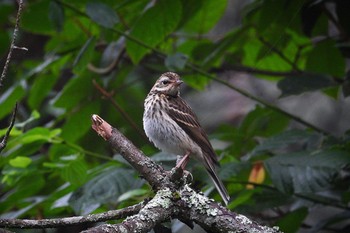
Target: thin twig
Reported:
[(251, 70), (153, 173), (316, 199), (13, 41), (69, 221), (12, 122), (278, 52)]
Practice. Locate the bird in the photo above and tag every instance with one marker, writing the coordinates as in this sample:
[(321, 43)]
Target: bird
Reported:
[(172, 126)]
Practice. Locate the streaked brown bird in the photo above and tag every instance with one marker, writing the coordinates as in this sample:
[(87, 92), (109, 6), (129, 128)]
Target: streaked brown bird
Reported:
[(173, 127)]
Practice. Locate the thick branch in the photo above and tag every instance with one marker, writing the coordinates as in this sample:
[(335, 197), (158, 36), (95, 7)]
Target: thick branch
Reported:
[(213, 216), (158, 210), (59, 222), (151, 171), (176, 199)]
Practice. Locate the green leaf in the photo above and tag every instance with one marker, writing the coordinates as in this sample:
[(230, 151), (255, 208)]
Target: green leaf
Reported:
[(153, 26), (102, 14), (245, 196), (79, 123), (84, 56), (9, 99), (75, 172), (18, 213), (292, 221), (74, 91), (17, 148), (20, 162), (35, 137), (287, 139), (42, 66), (306, 82), (35, 134), (263, 122), (196, 81), (28, 186), (269, 199), (326, 58), (232, 169), (34, 116), (189, 9), (41, 88), (56, 151), (131, 194), (305, 172), (200, 19), (104, 188), (35, 18), (56, 15), (176, 61), (5, 40), (331, 221)]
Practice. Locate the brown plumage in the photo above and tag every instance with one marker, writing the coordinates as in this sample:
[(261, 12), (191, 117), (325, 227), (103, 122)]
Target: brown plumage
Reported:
[(173, 127)]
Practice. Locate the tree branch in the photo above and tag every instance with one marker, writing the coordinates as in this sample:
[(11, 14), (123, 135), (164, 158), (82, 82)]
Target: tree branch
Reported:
[(213, 216), (158, 210), (13, 41), (152, 172), (174, 198), (59, 222), (252, 70)]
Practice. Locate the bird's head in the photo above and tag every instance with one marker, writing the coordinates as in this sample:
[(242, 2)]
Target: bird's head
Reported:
[(168, 84)]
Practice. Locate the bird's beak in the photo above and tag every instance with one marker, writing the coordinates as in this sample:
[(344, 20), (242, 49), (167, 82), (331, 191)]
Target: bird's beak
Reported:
[(178, 82)]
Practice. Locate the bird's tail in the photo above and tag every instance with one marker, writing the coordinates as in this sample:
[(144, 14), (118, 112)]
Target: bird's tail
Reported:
[(218, 183)]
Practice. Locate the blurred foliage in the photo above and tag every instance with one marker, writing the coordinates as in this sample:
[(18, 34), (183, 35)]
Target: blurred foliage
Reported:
[(54, 165)]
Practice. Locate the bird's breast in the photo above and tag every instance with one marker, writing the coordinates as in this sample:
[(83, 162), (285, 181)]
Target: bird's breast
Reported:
[(164, 132)]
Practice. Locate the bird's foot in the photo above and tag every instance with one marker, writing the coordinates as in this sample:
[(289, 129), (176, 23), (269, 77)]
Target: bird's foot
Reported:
[(180, 176)]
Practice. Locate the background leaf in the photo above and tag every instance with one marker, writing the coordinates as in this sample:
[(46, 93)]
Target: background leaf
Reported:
[(325, 59), (104, 188), (159, 21), (299, 84), (102, 14), (56, 15), (305, 172)]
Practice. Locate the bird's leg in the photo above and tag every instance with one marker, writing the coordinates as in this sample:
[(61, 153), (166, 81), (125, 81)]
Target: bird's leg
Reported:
[(178, 174), (183, 162)]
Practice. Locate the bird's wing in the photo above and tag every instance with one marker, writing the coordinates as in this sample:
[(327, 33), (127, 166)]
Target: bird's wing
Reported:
[(183, 115)]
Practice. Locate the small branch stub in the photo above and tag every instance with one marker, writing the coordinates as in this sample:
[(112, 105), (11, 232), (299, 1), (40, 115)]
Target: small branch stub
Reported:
[(101, 127)]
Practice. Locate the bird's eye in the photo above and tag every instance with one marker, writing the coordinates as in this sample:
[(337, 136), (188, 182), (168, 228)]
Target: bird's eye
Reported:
[(165, 82)]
